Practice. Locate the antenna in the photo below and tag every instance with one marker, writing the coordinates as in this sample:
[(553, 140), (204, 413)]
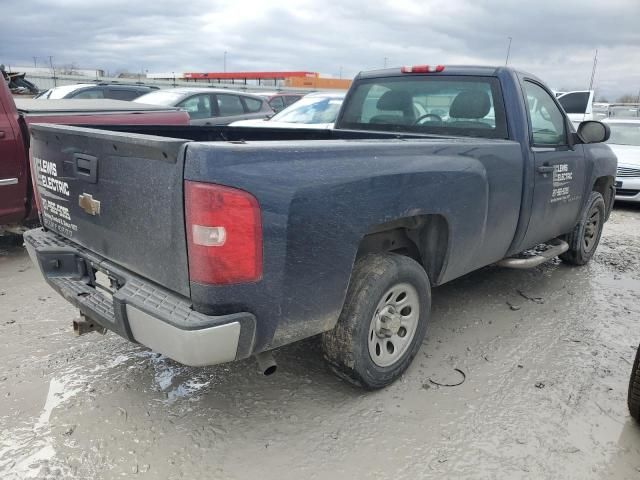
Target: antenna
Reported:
[(593, 71), (508, 51)]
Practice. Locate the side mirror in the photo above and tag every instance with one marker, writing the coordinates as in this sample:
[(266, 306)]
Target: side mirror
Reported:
[(592, 131)]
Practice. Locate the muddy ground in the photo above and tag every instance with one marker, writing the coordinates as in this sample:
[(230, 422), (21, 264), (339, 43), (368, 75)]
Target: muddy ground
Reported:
[(546, 354)]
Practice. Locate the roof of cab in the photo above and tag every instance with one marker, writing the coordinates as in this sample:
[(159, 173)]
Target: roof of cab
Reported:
[(476, 70)]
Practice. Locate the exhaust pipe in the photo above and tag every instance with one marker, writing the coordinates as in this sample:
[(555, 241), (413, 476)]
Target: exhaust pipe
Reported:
[(266, 363)]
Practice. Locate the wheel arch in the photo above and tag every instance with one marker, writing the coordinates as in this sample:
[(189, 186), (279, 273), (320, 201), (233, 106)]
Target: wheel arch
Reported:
[(425, 238), (606, 187)]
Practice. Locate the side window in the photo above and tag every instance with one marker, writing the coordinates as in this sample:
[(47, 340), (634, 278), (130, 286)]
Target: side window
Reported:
[(198, 106), (229, 105), (277, 104), (91, 93), (253, 104), (547, 121), (123, 94)]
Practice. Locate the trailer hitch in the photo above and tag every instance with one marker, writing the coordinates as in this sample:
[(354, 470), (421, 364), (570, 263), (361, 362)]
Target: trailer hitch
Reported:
[(84, 325)]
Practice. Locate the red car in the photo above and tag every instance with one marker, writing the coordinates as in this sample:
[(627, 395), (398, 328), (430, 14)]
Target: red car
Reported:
[(17, 206)]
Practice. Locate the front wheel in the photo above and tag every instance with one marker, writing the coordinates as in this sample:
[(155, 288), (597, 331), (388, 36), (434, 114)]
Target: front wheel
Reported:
[(383, 321), (585, 237)]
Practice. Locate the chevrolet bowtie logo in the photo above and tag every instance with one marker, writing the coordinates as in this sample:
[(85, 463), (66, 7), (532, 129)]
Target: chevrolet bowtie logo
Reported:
[(88, 204)]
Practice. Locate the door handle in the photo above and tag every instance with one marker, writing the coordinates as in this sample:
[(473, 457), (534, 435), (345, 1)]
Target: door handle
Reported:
[(2, 133), (5, 182), (546, 169)]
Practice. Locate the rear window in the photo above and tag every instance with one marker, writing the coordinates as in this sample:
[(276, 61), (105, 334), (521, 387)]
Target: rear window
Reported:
[(443, 105), (576, 102), (253, 104)]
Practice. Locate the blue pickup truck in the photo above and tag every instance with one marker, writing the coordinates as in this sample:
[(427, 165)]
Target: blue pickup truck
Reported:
[(213, 244)]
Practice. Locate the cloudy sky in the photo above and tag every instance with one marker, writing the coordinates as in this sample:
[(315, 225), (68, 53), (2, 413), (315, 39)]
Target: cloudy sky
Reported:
[(553, 39)]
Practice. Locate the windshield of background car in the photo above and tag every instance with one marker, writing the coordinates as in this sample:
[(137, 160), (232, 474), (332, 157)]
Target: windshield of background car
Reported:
[(165, 98), (624, 134), (310, 110), (442, 105), (575, 102)]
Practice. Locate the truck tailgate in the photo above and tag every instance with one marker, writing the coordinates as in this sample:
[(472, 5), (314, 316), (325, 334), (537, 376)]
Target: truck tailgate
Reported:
[(120, 195)]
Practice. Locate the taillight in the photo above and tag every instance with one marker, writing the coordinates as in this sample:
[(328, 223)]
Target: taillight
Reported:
[(224, 234), (422, 69)]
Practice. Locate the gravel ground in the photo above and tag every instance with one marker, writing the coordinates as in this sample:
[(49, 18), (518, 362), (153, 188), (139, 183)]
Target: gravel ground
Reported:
[(546, 353)]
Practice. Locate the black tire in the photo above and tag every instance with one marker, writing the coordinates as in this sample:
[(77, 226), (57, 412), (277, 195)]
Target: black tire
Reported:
[(584, 239), (347, 347), (633, 397)]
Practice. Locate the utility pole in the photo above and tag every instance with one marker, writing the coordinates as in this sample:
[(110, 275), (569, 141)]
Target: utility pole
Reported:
[(35, 62), (593, 70), (53, 70), (385, 62), (224, 62), (506, 62), (341, 74)]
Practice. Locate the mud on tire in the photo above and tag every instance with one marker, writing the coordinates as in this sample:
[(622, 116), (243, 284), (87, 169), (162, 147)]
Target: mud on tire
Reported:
[(583, 240), (376, 336)]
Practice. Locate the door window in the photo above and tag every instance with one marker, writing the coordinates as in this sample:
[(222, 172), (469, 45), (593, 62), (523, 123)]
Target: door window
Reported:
[(547, 121), (91, 93), (123, 94), (198, 106), (229, 105)]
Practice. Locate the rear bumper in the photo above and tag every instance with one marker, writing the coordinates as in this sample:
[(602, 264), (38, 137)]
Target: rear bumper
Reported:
[(629, 189), (139, 310)]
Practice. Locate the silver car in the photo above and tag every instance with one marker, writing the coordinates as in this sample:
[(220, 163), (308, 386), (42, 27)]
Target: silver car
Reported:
[(625, 143), (210, 106), (315, 110)]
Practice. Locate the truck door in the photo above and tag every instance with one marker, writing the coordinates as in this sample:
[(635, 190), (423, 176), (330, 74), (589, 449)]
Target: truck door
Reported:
[(13, 163), (558, 169)]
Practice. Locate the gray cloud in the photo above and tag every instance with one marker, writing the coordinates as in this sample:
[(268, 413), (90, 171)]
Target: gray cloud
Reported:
[(554, 39)]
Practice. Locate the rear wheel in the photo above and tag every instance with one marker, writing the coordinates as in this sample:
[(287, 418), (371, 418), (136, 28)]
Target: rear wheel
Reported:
[(633, 398), (584, 239), (383, 321)]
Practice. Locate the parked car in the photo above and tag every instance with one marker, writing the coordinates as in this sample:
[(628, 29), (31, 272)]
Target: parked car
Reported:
[(208, 106), (315, 110), (17, 205), (278, 101), (633, 395), (625, 143), (215, 244), (92, 90)]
